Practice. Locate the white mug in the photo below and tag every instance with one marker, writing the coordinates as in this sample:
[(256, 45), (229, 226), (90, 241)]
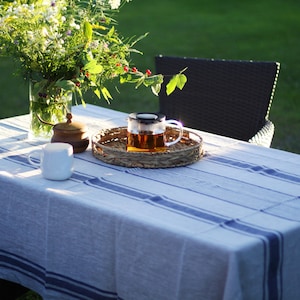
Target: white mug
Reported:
[(56, 160)]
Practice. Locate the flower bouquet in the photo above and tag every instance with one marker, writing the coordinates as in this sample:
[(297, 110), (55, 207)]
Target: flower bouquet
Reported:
[(67, 47)]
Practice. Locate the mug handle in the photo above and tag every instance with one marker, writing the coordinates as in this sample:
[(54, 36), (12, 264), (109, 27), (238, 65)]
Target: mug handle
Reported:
[(29, 157), (180, 127)]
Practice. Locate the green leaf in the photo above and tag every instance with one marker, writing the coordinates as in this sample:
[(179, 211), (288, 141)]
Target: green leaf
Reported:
[(177, 81), (139, 82), (138, 39), (171, 86), (127, 77), (123, 79), (88, 30), (153, 80), (97, 93), (156, 89), (181, 81), (92, 67), (106, 94), (111, 32)]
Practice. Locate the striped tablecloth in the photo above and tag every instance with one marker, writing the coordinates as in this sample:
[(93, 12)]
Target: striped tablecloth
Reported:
[(226, 227)]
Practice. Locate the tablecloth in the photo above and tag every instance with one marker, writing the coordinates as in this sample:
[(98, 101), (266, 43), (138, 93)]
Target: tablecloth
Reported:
[(226, 227)]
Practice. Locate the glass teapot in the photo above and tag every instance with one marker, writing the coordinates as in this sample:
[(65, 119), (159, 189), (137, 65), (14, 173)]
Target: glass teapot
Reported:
[(146, 132)]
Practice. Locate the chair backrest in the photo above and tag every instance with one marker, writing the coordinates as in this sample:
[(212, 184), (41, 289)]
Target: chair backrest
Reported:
[(227, 97)]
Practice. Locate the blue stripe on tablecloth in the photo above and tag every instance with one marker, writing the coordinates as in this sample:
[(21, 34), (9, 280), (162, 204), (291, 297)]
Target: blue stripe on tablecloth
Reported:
[(81, 177), (22, 159), (77, 288), (153, 199), (273, 248), (255, 168), (22, 265), (117, 188), (13, 127), (272, 240), (53, 281), (200, 214)]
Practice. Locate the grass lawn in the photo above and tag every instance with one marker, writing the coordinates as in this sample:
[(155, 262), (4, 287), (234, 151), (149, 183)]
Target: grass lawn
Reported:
[(265, 30)]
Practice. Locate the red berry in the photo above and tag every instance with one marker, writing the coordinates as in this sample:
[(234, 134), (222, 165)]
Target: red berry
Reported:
[(148, 72)]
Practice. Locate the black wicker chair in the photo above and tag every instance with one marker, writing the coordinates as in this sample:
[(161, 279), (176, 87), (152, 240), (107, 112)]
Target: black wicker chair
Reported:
[(227, 97)]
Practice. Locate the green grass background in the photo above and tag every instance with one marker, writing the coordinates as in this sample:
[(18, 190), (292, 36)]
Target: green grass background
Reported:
[(267, 30)]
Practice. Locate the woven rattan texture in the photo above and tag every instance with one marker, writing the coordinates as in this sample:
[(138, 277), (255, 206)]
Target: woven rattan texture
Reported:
[(226, 97), (109, 145)]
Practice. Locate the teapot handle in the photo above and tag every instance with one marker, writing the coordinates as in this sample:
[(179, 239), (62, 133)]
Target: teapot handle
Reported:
[(179, 127)]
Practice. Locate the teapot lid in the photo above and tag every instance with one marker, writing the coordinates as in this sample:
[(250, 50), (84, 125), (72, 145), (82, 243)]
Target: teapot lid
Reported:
[(146, 117), (70, 125)]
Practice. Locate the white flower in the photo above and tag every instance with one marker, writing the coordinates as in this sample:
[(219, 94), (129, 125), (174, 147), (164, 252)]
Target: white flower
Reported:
[(114, 4), (72, 24), (44, 32), (56, 38)]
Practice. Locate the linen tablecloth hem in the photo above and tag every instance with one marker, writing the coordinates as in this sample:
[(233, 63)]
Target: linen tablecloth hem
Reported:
[(35, 277)]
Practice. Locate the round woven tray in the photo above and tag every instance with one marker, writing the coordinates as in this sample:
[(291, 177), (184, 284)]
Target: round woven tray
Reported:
[(109, 145)]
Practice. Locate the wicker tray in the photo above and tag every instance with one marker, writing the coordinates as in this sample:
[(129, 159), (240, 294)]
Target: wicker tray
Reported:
[(109, 145)]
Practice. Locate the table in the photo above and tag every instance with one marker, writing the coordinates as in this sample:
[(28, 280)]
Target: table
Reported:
[(226, 227)]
